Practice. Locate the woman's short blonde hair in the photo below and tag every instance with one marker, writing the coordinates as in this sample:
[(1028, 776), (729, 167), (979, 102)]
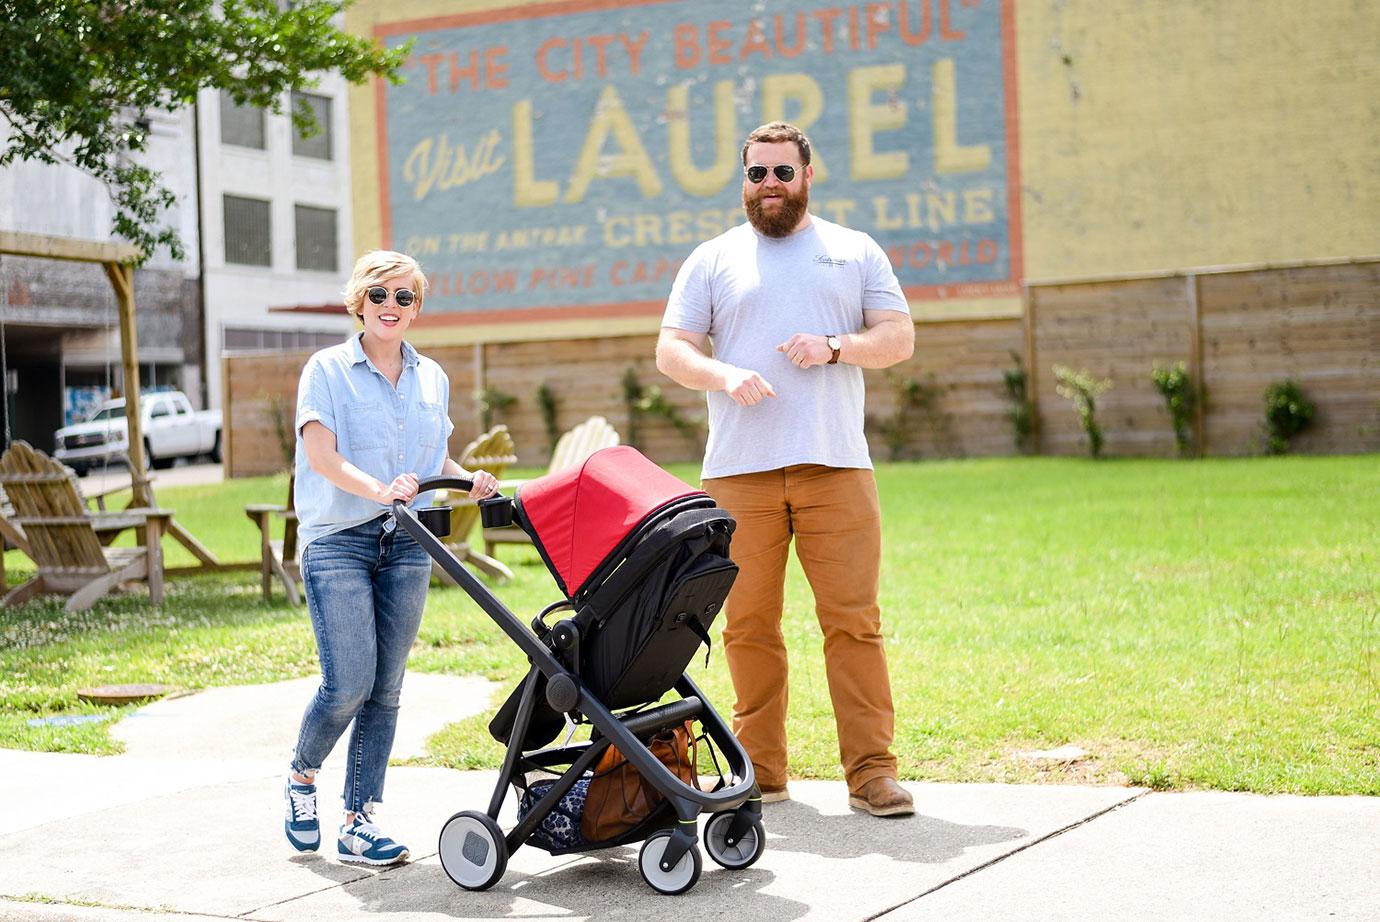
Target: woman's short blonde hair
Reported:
[(375, 266)]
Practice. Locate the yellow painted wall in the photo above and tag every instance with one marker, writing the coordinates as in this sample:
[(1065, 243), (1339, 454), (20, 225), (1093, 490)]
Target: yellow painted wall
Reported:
[(364, 156), (1164, 134), (1153, 135)]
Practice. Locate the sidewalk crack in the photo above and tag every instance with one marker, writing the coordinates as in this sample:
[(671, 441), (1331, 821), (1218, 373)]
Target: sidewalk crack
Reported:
[(1000, 858), (248, 913)]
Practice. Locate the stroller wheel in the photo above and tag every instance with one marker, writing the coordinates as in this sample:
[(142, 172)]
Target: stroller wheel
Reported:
[(473, 851), (679, 878), (742, 853)]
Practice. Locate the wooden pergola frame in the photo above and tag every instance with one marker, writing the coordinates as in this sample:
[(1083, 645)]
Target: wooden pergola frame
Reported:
[(117, 259)]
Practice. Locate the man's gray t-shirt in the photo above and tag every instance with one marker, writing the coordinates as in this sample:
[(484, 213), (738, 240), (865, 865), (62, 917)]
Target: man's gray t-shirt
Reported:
[(751, 293)]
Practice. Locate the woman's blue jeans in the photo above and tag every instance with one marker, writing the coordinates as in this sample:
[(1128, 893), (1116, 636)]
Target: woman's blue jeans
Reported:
[(366, 588)]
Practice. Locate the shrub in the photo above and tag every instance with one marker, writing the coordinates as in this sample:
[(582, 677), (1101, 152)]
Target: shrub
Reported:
[(643, 400), (914, 397), (1287, 413), (1176, 387), (550, 408), (1022, 414), (1082, 389), (287, 435), (492, 401)]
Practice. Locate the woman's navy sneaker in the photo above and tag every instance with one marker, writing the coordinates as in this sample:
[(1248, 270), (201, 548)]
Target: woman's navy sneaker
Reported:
[(361, 842), (301, 825)]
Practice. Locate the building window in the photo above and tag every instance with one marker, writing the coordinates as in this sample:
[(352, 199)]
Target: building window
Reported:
[(316, 248), (319, 144), (251, 339), (242, 126), (248, 232)]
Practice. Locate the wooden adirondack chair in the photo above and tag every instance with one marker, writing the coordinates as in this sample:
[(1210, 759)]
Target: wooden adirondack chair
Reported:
[(277, 557), (11, 535), (493, 452), (64, 537), (107, 528), (572, 447)]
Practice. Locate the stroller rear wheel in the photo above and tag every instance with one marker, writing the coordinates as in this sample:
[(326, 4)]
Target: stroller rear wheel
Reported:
[(676, 880), (742, 853), (473, 851)]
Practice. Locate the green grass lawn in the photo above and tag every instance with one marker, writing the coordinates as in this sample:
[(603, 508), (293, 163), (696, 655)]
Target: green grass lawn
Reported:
[(1207, 624)]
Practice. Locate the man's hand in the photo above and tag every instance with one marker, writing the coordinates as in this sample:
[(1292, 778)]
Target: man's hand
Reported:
[(747, 388), (404, 487), (807, 349)]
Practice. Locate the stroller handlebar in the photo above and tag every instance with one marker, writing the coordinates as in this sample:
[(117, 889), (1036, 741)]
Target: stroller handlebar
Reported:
[(439, 482), (465, 484), (444, 482), (496, 509)]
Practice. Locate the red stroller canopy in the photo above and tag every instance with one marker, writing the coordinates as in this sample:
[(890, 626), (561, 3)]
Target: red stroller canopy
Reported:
[(579, 515)]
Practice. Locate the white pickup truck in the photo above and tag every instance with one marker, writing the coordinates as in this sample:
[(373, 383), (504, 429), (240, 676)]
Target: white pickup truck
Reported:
[(172, 430)]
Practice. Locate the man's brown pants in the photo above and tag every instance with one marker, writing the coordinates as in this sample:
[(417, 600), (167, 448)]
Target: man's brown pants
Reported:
[(835, 518)]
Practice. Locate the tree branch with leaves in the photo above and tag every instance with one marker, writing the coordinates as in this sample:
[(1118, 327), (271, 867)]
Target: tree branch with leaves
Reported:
[(80, 75)]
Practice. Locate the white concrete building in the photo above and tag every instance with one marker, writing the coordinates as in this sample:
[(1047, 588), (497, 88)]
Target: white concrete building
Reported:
[(275, 216)]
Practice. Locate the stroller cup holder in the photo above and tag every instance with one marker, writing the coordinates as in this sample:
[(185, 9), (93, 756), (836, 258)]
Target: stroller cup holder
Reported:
[(496, 512), (436, 519)]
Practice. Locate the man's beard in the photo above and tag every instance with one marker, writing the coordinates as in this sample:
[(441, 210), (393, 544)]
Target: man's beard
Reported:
[(783, 218)]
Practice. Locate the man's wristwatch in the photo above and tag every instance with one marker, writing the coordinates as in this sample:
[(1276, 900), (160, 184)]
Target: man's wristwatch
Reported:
[(834, 343)]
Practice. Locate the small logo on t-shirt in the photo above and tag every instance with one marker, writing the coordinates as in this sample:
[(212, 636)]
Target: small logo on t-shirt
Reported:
[(824, 260)]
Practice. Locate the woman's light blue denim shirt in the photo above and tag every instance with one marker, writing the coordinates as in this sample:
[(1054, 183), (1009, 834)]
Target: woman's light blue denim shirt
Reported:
[(382, 430)]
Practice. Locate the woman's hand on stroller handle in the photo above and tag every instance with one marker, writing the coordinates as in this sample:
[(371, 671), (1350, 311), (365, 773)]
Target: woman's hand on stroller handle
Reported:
[(402, 489), (478, 484)]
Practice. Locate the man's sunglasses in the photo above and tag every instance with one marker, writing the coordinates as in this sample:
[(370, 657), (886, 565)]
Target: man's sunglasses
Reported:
[(784, 172), (402, 297)]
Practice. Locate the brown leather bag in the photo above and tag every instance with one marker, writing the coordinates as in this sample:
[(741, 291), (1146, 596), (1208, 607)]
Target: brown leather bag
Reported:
[(619, 797)]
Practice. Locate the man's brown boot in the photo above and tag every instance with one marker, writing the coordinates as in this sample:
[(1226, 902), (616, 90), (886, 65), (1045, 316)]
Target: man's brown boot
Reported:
[(882, 797)]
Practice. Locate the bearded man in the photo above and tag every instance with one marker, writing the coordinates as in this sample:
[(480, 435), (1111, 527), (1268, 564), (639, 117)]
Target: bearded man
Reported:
[(795, 308)]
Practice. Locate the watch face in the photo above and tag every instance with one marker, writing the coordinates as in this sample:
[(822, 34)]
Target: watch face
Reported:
[(833, 342)]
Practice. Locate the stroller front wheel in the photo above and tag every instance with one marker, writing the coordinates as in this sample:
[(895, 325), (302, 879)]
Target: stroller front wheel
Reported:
[(744, 852), (473, 850), (679, 878)]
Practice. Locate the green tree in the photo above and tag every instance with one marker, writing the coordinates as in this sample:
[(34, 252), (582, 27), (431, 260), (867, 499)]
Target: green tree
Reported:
[(79, 76)]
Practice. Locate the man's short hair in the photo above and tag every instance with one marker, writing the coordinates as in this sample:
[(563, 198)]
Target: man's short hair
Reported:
[(775, 133)]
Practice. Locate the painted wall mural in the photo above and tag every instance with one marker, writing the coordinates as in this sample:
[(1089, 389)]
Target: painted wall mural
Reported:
[(562, 159)]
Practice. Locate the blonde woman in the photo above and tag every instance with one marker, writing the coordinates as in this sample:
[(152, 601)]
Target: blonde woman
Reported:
[(371, 420)]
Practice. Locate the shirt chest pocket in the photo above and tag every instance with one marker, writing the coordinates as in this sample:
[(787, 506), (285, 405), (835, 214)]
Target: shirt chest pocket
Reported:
[(366, 429), (430, 424)]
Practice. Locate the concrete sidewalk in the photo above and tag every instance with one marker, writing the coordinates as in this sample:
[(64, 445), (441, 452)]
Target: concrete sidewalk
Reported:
[(187, 825)]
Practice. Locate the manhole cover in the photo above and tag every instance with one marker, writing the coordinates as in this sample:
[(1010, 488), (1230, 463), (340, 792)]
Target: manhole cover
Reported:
[(122, 694)]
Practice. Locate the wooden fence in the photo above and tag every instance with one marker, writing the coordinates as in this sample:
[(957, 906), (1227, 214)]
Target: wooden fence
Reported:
[(1236, 330)]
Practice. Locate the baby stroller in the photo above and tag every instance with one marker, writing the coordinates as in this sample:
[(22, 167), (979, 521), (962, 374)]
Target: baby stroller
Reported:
[(642, 560)]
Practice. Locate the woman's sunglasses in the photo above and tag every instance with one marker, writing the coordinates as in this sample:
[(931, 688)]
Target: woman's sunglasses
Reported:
[(402, 297), (784, 172)]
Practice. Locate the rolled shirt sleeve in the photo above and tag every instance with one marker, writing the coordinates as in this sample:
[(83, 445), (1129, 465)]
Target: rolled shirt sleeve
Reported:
[(314, 397)]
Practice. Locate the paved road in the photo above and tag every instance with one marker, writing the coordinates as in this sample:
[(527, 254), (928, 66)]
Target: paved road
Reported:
[(182, 474)]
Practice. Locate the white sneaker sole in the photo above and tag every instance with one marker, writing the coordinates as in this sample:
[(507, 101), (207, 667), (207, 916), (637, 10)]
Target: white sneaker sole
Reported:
[(304, 845), (373, 862)]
